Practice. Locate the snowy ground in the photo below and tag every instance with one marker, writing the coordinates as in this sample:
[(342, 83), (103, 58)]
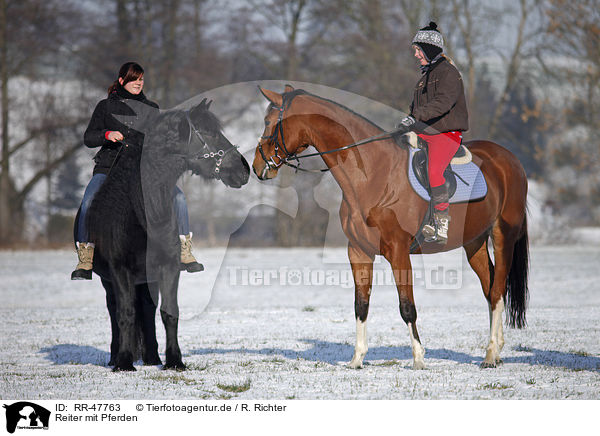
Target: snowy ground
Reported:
[(248, 340)]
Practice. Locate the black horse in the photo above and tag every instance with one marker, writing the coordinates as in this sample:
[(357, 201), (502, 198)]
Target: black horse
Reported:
[(132, 223)]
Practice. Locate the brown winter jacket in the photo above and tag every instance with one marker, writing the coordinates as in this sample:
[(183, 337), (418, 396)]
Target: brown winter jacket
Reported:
[(441, 104)]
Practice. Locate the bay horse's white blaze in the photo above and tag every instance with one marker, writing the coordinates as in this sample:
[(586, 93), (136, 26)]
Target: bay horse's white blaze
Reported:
[(361, 345), (417, 349), (492, 355)]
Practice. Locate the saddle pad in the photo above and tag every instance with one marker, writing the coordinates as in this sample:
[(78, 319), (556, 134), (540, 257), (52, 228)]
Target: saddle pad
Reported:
[(474, 189)]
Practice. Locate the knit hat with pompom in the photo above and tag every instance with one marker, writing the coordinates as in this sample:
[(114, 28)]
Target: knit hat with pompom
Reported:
[(429, 40)]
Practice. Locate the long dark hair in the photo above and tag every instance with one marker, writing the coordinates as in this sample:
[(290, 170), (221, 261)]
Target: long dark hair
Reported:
[(129, 72)]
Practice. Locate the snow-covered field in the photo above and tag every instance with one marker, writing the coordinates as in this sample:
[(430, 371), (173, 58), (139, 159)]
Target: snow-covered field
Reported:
[(245, 339)]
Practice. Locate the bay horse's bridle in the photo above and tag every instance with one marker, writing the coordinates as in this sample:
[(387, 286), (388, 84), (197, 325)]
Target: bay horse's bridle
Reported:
[(285, 160), (210, 153)]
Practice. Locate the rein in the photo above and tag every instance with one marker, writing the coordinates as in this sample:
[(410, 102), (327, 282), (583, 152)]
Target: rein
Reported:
[(285, 160)]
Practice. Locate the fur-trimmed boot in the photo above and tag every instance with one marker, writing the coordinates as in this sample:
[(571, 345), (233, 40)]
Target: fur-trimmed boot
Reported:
[(188, 261), (85, 254), (437, 231)]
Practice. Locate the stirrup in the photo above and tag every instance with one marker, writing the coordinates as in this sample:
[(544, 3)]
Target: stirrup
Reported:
[(437, 231)]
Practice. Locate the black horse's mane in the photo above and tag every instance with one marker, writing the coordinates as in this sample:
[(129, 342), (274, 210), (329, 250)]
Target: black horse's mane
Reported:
[(124, 198)]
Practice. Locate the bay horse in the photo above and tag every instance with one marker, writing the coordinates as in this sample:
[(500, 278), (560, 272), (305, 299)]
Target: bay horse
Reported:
[(381, 214), (132, 223)]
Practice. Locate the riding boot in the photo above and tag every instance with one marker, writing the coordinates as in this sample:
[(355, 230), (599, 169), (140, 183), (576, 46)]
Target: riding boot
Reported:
[(188, 261), (83, 270), (437, 231)]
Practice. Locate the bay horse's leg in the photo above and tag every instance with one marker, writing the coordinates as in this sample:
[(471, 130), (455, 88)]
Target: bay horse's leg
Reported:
[(504, 237), (402, 268), (479, 259), (124, 287), (169, 312), (362, 271)]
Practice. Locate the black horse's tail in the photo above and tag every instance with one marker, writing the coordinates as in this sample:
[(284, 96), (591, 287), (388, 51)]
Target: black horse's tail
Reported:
[(517, 294)]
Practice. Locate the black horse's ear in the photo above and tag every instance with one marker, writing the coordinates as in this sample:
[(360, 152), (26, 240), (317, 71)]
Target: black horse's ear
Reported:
[(200, 107), (272, 96), (208, 104)]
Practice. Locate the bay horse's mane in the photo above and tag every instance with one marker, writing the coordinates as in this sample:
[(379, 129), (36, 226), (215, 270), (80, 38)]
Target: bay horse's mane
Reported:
[(290, 95)]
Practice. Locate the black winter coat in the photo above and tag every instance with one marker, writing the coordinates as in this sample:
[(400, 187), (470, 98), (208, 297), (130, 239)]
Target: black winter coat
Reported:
[(123, 112)]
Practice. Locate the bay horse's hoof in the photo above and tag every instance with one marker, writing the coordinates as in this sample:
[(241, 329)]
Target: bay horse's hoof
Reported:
[(419, 365), (354, 365)]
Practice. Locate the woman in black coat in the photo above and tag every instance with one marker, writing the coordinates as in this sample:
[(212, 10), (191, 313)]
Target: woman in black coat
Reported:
[(116, 124)]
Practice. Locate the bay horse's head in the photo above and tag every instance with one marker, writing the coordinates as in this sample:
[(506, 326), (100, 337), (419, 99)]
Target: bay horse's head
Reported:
[(208, 152), (279, 141)]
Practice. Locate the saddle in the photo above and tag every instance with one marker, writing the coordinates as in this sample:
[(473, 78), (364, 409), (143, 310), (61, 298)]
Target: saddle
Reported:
[(464, 179)]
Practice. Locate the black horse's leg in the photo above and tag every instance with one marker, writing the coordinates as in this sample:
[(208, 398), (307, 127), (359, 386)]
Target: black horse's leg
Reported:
[(169, 312), (147, 312), (111, 305), (124, 287)]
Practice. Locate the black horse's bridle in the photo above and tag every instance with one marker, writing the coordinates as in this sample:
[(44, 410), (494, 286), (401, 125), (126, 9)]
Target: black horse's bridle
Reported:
[(285, 160), (209, 152)]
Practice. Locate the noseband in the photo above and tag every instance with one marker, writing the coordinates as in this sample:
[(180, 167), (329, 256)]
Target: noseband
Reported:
[(210, 152)]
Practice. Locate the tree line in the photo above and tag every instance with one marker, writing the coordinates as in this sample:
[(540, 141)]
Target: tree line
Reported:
[(531, 71)]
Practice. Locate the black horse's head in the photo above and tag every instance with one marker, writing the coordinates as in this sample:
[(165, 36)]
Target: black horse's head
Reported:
[(193, 140), (209, 152)]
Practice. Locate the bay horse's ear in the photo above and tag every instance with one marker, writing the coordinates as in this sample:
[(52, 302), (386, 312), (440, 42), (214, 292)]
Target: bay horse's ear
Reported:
[(288, 88), (272, 96)]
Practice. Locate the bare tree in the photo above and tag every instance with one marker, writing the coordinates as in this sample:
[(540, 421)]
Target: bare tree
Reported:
[(23, 50)]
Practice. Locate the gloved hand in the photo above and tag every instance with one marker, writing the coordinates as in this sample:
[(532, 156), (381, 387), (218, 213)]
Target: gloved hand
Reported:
[(406, 122)]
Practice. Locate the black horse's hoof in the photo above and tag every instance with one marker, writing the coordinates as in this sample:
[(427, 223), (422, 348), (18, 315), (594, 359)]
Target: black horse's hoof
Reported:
[(81, 274), (127, 367), (177, 366), (152, 361), (192, 267)]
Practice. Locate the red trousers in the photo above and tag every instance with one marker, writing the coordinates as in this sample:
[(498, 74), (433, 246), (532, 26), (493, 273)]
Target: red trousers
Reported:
[(442, 148)]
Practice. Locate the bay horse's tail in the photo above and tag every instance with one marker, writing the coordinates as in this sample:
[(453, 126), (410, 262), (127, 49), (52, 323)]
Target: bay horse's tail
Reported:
[(517, 294)]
